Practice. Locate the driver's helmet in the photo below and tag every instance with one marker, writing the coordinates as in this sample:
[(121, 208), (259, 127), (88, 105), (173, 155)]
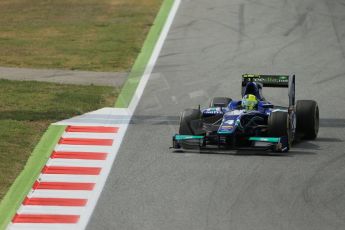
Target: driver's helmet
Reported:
[(249, 102)]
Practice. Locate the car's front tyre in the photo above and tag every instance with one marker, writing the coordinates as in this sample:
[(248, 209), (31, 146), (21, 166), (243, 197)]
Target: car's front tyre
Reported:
[(190, 122), (278, 126), (187, 116)]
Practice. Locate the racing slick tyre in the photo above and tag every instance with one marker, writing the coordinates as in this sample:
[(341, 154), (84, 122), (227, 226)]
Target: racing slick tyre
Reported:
[(278, 126), (188, 125), (186, 119), (307, 119), (220, 102)]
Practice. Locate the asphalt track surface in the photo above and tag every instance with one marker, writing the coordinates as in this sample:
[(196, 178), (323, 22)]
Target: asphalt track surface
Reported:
[(114, 79), (210, 44)]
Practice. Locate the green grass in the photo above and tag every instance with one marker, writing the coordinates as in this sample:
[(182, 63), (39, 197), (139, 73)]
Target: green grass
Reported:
[(27, 109), (97, 35), (23, 183)]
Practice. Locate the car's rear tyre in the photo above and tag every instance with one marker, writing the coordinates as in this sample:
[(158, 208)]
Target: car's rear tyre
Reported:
[(307, 119), (220, 102), (278, 126)]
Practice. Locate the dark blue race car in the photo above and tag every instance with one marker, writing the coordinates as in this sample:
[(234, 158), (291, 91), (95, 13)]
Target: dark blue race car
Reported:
[(250, 123)]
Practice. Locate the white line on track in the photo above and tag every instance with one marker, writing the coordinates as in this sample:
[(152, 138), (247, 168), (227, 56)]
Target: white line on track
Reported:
[(75, 162), (43, 226), (154, 57), (89, 135), (48, 193), (50, 210), (82, 148), (69, 178)]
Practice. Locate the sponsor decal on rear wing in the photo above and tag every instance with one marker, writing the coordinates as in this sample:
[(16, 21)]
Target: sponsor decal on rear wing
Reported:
[(267, 80), (276, 81)]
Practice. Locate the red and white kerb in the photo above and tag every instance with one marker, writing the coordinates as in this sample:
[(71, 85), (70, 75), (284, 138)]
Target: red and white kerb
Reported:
[(61, 194)]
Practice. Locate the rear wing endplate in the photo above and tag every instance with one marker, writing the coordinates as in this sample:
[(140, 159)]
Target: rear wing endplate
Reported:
[(276, 81)]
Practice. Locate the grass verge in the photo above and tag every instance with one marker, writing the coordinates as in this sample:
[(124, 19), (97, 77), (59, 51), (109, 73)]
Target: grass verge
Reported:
[(25, 180), (97, 35)]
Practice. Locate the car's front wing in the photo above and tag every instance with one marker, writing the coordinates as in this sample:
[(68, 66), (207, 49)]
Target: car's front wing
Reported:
[(276, 144)]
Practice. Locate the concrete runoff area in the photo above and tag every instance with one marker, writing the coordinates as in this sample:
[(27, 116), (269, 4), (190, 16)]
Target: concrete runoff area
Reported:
[(210, 44), (114, 79)]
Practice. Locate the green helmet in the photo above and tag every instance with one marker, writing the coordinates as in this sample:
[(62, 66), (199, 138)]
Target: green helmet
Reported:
[(249, 102)]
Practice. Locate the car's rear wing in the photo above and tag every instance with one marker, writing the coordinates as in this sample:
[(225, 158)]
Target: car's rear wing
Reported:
[(277, 81)]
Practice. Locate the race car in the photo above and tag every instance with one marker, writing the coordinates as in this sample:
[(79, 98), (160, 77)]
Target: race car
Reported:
[(249, 123)]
